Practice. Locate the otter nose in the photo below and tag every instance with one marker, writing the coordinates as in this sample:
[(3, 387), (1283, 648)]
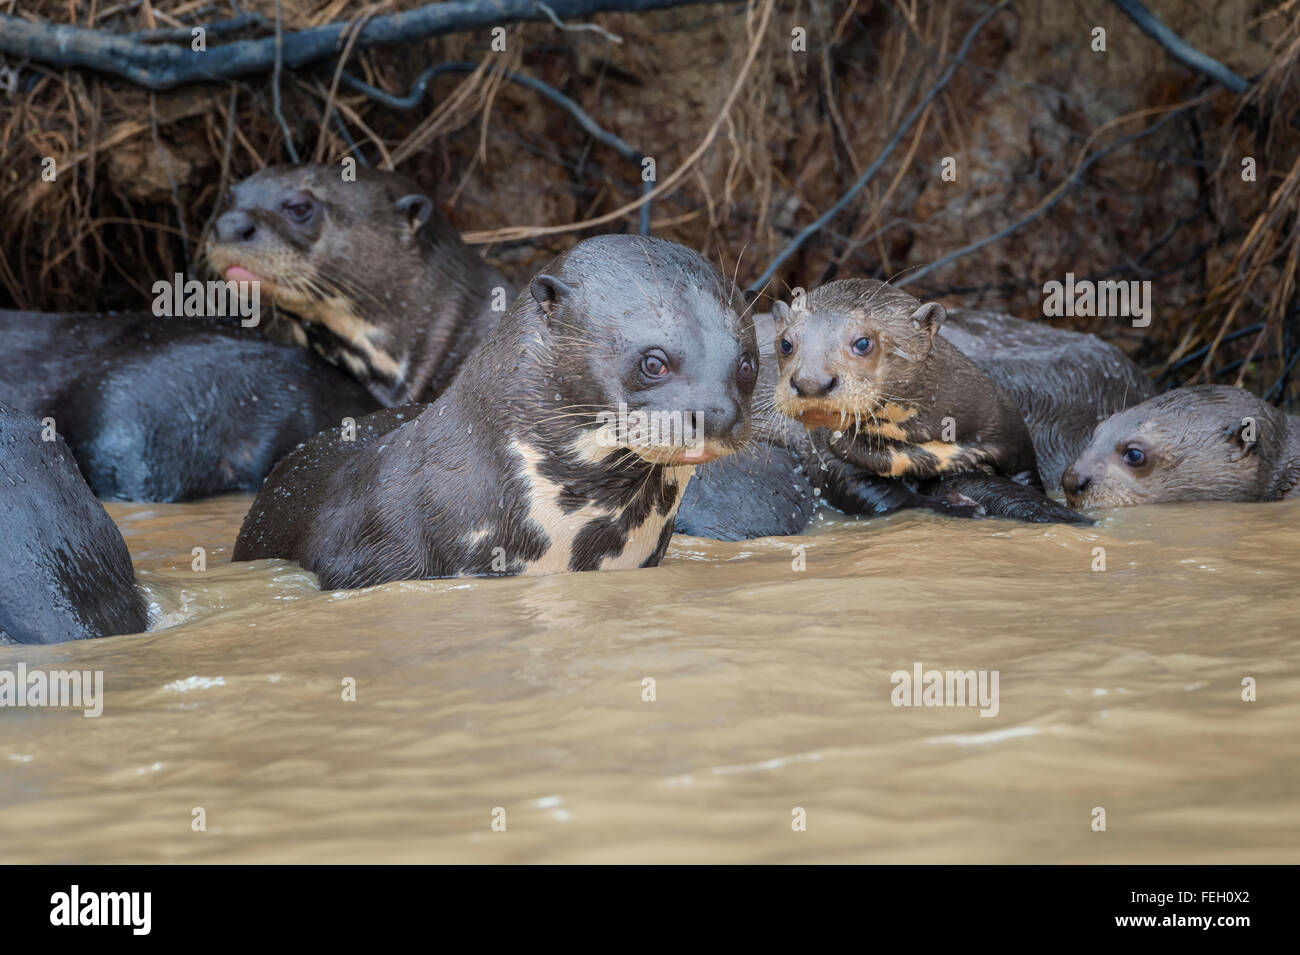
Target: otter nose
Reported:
[(813, 386), (236, 226), (1075, 483), (722, 422)]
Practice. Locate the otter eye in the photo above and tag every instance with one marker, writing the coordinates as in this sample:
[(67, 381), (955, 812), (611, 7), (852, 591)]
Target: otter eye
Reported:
[(747, 371), (1134, 457), (654, 366), (787, 346), (299, 210), (862, 346)]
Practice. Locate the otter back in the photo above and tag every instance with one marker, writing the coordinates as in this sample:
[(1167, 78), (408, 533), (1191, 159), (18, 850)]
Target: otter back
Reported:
[(171, 409), (65, 573)]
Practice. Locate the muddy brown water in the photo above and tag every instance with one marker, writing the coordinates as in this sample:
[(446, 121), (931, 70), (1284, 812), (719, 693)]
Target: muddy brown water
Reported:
[(1119, 689)]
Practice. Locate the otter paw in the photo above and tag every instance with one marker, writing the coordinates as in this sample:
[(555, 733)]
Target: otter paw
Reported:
[(955, 504)]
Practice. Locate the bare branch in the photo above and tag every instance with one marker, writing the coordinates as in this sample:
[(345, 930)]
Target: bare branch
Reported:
[(578, 27), (162, 67), (817, 225), (1181, 50)]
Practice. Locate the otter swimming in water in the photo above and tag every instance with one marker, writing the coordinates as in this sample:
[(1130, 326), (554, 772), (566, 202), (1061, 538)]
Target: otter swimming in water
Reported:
[(524, 466), (65, 573), (177, 408), (170, 409), (1064, 382), (862, 361), (1199, 443), (370, 260)]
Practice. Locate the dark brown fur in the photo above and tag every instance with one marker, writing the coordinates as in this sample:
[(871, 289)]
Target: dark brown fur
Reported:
[(1202, 443), (507, 473), (370, 261), (1064, 383), (912, 406), (863, 369)]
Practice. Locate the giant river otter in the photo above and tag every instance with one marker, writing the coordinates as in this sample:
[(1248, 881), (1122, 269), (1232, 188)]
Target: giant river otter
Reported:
[(862, 361), (1201, 443), (65, 573), (541, 457), (372, 261), (177, 408), (170, 409)]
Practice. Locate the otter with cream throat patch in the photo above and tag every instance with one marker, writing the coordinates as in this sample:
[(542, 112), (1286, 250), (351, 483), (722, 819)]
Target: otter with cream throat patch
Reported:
[(381, 280), (538, 458), (862, 360)]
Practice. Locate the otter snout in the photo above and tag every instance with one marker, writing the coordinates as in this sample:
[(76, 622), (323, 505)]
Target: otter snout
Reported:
[(723, 422), (1075, 483), (814, 385), (235, 226)]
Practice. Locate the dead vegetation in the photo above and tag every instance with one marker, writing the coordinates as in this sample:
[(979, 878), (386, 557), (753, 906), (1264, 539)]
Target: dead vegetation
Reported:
[(1117, 165)]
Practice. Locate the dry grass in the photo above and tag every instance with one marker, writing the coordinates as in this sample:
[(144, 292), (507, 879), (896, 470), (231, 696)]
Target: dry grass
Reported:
[(752, 140)]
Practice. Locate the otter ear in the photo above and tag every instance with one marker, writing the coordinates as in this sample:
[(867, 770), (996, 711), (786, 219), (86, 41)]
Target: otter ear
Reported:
[(415, 209), (929, 317), (781, 313), (548, 292), (1243, 435)]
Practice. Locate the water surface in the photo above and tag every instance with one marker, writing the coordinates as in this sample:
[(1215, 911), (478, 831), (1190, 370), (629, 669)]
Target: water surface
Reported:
[(1119, 689)]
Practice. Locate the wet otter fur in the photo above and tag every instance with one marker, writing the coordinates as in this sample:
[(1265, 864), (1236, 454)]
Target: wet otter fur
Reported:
[(1064, 383), (381, 280), (1199, 443), (170, 409), (862, 361), (173, 409), (515, 470), (65, 573)]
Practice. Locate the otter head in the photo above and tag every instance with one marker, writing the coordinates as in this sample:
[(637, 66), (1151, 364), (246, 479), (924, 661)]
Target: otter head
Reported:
[(645, 352), (348, 255), (1201, 443), (854, 349)]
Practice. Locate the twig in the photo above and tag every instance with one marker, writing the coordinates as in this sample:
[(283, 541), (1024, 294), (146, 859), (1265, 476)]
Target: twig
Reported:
[(517, 233), (867, 175), (164, 67), (334, 84), (1179, 48), (1056, 195), (1281, 379), (578, 27), (225, 165), (171, 180), (353, 147), (275, 87), (1200, 352), (589, 125)]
